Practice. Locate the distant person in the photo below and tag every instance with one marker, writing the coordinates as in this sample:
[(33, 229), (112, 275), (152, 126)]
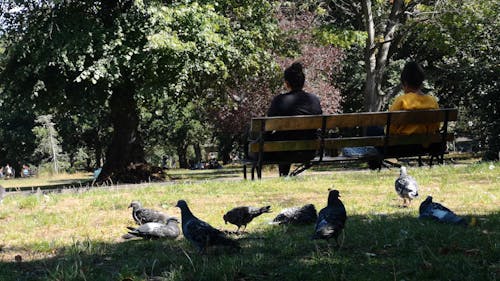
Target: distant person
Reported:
[(412, 79), (294, 102), (9, 172), (25, 172)]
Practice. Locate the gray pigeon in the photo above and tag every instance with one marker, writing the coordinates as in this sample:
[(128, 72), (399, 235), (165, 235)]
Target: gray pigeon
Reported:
[(406, 187), (200, 233), (142, 215), (331, 219), (438, 212), (155, 230), (2, 193), (297, 215), (241, 216)]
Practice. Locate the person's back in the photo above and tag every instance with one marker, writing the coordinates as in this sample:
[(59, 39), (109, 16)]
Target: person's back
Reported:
[(295, 102), (412, 78)]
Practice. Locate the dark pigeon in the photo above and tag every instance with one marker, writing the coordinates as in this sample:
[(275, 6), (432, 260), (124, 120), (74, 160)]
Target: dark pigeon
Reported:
[(142, 215), (2, 193), (241, 216), (438, 212), (406, 187), (155, 230), (297, 215), (331, 219), (200, 233)]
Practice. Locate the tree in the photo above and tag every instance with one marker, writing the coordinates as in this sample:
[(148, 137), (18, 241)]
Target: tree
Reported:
[(381, 21), (48, 142), (114, 54)]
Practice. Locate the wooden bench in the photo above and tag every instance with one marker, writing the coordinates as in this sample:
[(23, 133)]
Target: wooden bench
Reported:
[(336, 132)]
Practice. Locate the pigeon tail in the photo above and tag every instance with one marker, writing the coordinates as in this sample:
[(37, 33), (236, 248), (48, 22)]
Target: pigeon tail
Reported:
[(128, 236)]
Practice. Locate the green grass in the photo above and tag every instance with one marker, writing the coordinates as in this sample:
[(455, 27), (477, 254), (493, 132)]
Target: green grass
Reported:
[(76, 236)]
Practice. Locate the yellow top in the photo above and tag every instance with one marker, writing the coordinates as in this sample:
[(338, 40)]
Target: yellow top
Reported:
[(414, 101)]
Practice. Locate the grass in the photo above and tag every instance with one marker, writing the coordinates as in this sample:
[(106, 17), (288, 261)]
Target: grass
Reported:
[(76, 236)]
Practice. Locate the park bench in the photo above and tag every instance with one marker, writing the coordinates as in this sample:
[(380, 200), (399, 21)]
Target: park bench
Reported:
[(339, 131)]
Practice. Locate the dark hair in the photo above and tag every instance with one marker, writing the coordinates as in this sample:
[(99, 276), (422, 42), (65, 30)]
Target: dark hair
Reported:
[(412, 75), (295, 76)]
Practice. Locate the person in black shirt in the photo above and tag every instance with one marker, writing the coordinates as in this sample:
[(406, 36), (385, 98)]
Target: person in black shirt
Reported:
[(294, 102)]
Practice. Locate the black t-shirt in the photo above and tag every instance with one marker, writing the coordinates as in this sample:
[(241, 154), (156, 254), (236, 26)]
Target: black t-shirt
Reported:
[(294, 103)]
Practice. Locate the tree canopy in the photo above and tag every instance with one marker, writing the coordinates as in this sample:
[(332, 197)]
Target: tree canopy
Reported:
[(71, 58)]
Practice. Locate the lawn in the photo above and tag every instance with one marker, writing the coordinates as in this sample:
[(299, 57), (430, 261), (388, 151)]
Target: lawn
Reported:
[(77, 235)]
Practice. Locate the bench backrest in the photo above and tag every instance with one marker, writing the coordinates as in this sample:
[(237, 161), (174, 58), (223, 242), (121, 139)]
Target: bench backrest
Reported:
[(350, 120)]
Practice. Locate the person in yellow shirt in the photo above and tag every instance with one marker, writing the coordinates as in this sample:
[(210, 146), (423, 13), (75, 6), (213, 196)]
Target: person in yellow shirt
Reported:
[(412, 78)]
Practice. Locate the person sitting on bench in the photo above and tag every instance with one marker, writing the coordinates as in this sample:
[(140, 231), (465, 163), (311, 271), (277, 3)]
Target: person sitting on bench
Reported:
[(294, 102), (412, 78)]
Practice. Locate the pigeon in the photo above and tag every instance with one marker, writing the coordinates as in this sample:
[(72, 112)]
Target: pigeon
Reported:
[(331, 219), (142, 215), (297, 215), (406, 187), (200, 233), (241, 216), (155, 230), (436, 211)]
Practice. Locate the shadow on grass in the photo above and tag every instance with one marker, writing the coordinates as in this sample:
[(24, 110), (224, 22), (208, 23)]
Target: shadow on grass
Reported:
[(375, 247), (206, 174), (55, 185)]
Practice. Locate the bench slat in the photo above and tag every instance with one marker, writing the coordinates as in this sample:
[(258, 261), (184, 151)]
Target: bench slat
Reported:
[(352, 120), (336, 143)]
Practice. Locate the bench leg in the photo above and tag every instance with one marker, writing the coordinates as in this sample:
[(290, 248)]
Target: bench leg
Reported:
[(245, 171), (259, 172), (253, 171), (301, 169), (420, 164)]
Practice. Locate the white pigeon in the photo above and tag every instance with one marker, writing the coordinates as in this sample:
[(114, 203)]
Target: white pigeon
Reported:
[(406, 187)]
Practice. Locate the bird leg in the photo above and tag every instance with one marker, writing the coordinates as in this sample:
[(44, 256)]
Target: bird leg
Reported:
[(404, 203)]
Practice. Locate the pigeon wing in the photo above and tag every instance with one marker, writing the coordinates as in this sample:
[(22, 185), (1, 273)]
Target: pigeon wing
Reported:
[(203, 235), (149, 215), (406, 185)]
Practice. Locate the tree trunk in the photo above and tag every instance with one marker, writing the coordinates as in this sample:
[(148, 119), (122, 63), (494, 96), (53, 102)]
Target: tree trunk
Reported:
[(197, 153), (370, 57), (182, 153), (225, 147), (126, 148), (377, 53), (98, 155)]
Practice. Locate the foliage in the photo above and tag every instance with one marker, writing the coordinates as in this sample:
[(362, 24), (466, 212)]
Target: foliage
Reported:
[(455, 41), (460, 49), (251, 96), (49, 147), (71, 57)]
